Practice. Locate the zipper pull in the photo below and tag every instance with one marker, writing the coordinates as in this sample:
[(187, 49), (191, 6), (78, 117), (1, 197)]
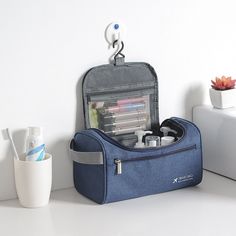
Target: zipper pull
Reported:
[(118, 166)]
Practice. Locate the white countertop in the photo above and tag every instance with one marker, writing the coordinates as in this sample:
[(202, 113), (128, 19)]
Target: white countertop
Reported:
[(208, 209)]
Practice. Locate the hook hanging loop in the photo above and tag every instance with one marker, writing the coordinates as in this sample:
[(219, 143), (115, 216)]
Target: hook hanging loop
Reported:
[(119, 54)]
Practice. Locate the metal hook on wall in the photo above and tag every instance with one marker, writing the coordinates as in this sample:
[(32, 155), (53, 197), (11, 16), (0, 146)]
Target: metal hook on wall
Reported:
[(113, 37), (119, 54)]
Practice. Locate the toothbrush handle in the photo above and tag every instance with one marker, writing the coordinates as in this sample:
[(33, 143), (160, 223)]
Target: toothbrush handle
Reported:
[(14, 149)]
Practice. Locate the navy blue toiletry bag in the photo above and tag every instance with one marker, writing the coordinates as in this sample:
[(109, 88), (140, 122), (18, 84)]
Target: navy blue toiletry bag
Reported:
[(118, 100), (106, 171)]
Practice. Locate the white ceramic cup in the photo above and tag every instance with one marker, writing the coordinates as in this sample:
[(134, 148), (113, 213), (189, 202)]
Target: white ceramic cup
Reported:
[(166, 140), (33, 181)]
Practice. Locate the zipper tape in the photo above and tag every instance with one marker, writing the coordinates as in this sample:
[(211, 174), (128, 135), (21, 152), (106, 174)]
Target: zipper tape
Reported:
[(118, 162), (123, 94), (162, 155)]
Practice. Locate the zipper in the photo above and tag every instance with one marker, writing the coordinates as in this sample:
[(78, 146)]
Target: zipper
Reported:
[(118, 162), (117, 95), (118, 166), (190, 123), (122, 90)]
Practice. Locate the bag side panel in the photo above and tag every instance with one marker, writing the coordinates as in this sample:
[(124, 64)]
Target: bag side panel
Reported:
[(89, 180), (194, 136)]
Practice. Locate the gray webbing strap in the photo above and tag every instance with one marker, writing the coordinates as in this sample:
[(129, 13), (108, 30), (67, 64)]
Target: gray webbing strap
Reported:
[(90, 158), (119, 61)]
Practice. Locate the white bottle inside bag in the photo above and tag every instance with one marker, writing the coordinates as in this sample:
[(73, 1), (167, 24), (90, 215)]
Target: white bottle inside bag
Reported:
[(35, 147), (140, 134)]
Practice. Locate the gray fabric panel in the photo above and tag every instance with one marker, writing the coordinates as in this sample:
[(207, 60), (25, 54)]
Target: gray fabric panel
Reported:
[(107, 77), (127, 77), (90, 158)]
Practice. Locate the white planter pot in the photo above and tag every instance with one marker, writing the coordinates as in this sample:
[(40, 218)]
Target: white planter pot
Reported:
[(223, 98)]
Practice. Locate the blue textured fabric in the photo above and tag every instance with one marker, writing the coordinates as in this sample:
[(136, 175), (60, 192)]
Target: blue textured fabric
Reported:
[(144, 171), (89, 180)]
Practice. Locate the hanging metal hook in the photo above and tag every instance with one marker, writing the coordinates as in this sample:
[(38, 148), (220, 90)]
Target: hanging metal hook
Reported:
[(121, 49)]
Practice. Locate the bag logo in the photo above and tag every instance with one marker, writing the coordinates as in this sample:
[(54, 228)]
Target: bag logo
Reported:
[(181, 179)]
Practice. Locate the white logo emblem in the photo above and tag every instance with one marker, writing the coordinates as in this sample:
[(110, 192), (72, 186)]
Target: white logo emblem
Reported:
[(182, 179), (175, 180)]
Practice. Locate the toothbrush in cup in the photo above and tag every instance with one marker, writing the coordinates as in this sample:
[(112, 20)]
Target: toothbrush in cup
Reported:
[(7, 136)]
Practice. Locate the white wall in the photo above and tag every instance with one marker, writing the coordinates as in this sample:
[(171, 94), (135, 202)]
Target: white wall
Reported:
[(47, 45)]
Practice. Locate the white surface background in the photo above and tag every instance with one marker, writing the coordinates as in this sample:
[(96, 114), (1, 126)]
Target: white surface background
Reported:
[(46, 46), (205, 210)]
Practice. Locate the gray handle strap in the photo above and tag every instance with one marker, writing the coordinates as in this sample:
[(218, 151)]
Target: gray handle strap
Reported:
[(90, 158)]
